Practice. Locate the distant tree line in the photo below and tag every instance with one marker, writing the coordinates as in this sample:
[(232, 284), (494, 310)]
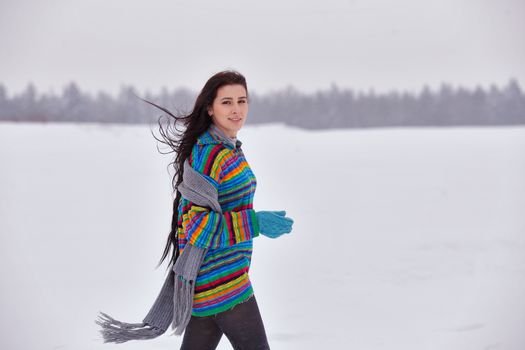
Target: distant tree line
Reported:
[(331, 108)]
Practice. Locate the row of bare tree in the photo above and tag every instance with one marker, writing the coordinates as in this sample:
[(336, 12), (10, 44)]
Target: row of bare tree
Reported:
[(331, 108)]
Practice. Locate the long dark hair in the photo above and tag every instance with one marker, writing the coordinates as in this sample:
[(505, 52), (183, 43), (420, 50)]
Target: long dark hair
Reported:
[(181, 142)]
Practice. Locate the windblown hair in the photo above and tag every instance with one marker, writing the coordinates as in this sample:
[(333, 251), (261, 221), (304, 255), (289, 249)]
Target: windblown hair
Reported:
[(182, 142)]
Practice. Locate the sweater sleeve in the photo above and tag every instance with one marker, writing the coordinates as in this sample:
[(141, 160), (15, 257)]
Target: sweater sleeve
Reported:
[(206, 228)]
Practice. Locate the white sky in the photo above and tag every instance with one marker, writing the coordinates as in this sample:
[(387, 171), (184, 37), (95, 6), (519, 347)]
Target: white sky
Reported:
[(361, 44)]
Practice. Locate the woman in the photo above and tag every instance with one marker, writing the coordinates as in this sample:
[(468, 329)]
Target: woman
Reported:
[(208, 292)]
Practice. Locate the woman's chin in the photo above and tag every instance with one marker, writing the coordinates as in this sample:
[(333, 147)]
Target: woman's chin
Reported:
[(236, 125)]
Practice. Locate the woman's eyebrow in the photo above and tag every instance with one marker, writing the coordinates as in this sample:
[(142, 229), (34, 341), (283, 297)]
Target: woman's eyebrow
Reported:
[(229, 98)]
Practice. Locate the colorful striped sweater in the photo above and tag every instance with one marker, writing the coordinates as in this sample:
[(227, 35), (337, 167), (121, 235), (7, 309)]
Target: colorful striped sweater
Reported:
[(222, 281)]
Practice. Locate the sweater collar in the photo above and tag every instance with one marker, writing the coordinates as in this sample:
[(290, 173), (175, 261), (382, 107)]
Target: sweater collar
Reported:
[(214, 135)]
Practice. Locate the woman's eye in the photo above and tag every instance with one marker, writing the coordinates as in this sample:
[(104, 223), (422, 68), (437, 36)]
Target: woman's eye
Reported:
[(229, 102)]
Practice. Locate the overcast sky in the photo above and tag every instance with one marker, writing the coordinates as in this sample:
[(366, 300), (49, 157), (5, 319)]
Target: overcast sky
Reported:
[(363, 44)]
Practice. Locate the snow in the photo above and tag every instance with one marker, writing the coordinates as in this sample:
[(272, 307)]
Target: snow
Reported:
[(404, 238)]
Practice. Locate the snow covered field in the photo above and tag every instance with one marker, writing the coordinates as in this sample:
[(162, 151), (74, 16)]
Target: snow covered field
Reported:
[(404, 239)]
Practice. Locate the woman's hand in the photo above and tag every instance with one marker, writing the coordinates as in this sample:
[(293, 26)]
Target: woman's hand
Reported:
[(273, 223)]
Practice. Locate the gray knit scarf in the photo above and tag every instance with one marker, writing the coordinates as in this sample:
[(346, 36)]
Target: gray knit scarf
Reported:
[(174, 302)]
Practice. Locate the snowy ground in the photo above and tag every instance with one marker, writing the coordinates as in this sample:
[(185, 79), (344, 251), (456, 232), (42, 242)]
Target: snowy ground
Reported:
[(408, 239)]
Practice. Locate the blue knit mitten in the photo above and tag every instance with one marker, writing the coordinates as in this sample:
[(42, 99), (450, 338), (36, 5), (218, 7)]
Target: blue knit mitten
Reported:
[(273, 223)]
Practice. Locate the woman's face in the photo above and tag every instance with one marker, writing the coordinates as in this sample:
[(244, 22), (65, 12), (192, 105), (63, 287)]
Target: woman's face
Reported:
[(229, 109)]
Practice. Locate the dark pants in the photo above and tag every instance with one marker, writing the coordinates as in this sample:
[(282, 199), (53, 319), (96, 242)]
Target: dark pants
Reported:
[(242, 325)]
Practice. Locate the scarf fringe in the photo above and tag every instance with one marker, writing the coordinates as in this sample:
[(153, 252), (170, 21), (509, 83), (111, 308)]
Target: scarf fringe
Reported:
[(183, 304), (174, 304), (114, 331)]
